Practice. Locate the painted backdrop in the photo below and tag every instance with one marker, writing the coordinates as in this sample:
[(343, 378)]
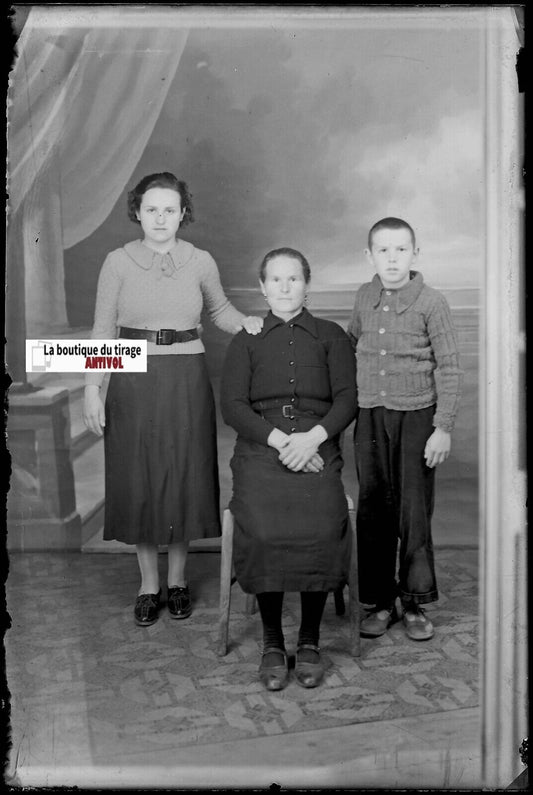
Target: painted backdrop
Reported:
[(305, 131)]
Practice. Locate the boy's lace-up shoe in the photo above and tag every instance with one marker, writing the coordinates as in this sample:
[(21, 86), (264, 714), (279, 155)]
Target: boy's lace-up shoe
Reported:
[(179, 602), (377, 622), (146, 610), (416, 623)]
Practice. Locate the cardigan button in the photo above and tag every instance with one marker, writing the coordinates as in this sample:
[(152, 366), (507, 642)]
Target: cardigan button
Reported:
[(382, 393), (383, 352), (386, 308), (382, 331)]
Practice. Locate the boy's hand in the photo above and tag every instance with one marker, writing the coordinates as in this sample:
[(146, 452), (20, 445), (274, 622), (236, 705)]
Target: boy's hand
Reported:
[(437, 447)]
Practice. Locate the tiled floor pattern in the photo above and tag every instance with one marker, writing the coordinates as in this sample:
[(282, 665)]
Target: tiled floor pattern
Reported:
[(81, 671)]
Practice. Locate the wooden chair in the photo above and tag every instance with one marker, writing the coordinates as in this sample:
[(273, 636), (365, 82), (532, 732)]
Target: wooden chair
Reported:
[(227, 579)]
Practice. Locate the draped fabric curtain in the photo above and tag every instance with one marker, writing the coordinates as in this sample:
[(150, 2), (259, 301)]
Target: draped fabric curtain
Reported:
[(84, 96)]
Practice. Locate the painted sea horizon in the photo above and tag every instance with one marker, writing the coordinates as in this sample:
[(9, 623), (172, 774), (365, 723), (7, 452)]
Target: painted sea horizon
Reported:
[(337, 303)]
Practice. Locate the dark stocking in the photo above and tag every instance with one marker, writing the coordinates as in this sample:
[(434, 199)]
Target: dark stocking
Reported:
[(313, 603), (270, 606)]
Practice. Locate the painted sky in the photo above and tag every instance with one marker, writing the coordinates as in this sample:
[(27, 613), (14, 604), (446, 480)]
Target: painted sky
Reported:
[(308, 136), (304, 133)]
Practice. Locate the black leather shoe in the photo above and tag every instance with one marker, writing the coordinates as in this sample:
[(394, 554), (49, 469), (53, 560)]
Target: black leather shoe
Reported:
[(146, 611), (274, 676), (308, 674), (179, 602)]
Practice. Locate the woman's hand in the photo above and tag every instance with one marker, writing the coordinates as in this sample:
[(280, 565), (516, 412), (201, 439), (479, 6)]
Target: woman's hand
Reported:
[(252, 324), (315, 464), (93, 410), (437, 447), (301, 447), (277, 439)]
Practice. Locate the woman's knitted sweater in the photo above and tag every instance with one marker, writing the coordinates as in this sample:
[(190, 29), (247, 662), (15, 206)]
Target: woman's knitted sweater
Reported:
[(140, 288)]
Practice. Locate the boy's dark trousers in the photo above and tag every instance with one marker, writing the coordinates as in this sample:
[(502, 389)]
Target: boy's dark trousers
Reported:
[(396, 498)]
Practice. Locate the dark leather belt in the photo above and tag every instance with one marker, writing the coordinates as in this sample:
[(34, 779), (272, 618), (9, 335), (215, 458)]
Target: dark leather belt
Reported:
[(288, 411), (165, 336)]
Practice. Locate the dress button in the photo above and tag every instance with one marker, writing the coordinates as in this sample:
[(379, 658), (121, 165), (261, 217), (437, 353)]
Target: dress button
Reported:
[(388, 292), (291, 380), (291, 325), (383, 352), (382, 393), (386, 308), (293, 429), (291, 342), (292, 400), (382, 372), (382, 331), (291, 363)]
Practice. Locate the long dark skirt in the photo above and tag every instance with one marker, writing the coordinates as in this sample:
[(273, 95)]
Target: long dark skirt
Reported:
[(161, 473), (292, 529)]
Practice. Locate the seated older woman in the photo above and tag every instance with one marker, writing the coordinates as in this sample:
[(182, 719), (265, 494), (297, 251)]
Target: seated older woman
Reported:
[(289, 392)]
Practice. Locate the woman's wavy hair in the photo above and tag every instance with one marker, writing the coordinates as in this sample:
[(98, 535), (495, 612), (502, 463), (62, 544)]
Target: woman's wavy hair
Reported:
[(285, 252), (162, 180)]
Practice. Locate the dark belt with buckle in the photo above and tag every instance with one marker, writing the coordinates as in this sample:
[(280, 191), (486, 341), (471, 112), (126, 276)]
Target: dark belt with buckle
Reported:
[(288, 411), (164, 336)]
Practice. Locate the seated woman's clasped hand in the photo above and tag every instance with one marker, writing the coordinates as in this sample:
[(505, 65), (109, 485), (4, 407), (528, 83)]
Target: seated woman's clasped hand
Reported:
[(299, 451)]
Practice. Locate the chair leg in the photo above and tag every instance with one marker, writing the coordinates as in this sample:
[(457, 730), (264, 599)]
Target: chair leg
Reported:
[(340, 607), (226, 565), (353, 586), (251, 604)]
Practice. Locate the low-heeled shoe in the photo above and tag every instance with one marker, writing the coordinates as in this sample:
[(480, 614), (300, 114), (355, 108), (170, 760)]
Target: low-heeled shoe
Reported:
[(373, 626), (179, 602), (146, 610), (417, 625), (274, 677), (308, 674)]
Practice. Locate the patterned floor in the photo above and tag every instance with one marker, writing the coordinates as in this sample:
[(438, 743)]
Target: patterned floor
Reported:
[(73, 647)]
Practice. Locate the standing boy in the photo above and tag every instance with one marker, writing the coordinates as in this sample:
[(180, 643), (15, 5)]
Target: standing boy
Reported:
[(409, 383)]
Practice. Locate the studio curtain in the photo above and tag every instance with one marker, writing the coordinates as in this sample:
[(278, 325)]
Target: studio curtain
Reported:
[(84, 95)]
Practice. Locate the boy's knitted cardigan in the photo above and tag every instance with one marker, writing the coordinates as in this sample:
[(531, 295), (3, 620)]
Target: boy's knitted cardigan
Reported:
[(406, 349)]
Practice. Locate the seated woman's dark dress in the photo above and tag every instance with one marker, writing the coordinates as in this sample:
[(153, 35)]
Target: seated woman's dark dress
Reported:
[(292, 529)]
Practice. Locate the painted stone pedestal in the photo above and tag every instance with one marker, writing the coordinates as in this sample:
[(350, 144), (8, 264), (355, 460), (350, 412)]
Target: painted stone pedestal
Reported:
[(41, 503)]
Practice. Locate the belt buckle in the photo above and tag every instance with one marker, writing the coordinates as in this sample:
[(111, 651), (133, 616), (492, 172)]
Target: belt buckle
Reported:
[(165, 336), (287, 408)]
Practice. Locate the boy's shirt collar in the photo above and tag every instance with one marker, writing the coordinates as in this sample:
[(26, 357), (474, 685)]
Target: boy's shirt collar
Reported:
[(405, 296)]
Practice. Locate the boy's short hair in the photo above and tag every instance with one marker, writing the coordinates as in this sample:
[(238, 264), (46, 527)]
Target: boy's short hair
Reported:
[(390, 223)]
